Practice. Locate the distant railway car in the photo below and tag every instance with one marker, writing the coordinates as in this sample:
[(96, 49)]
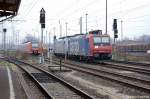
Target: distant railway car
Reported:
[(91, 45), (134, 48), (59, 46), (32, 48)]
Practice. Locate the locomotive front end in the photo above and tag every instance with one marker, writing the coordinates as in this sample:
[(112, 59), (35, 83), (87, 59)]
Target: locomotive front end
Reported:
[(102, 48), (100, 45)]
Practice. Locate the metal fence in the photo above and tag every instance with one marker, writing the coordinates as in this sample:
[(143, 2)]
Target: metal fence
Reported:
[(132, 52)]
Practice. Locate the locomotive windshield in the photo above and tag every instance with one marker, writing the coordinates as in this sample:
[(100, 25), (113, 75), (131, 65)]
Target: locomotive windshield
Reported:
[(34, 45), (97, 40), (105, 39), (101, 40)]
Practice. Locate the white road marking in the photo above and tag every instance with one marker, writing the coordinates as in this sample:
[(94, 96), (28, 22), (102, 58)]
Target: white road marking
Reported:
[(12, 94)]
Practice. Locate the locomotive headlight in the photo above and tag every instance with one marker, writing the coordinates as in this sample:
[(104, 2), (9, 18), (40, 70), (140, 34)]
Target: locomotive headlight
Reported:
[(95, 46)]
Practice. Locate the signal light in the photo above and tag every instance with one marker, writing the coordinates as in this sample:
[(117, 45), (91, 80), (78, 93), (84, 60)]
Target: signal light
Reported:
[(42, 18), (115, 24), (115, 28)]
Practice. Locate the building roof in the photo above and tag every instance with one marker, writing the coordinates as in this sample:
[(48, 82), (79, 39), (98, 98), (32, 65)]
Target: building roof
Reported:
[(9, 7)]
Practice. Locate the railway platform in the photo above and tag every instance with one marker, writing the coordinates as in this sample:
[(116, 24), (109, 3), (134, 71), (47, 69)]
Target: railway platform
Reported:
[(4, 83), (10, 86)]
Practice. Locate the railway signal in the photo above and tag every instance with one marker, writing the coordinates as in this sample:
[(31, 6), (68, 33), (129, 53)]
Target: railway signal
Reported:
[(115, 29), (42, 22), (42, 18)]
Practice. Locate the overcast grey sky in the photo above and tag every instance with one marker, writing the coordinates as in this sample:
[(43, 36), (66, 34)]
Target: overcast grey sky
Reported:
[(135, 15)]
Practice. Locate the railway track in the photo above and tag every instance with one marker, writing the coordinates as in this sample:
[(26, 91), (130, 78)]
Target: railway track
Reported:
[(128, 80), (139, 68), (132, 62), (52, 86)]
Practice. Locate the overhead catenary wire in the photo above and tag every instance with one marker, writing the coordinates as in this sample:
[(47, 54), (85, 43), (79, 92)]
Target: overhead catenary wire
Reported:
[(130, 10), (119, 11), (138, 17), (31, 7), (24, 7), (100, 16), (33, 3), (79, 9)]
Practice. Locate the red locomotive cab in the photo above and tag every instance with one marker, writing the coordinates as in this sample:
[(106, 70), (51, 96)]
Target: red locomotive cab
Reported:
[(28, 47), (35, 48), (100, 46)]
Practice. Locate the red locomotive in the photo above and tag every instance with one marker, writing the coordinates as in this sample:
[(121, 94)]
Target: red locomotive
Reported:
[(91, 45), (100, 46), (32, 48)]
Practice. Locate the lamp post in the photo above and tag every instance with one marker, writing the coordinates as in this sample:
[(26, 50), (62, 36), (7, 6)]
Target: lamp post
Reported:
[(4, 31), (86, 22), (66, 28), (60, 27), (121, 30), (80, 25), (66, 42), (106, 18)]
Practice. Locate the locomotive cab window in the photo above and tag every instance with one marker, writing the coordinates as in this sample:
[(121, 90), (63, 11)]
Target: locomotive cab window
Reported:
[(105, 40), (97, 40), (34, 45), (101, 39)]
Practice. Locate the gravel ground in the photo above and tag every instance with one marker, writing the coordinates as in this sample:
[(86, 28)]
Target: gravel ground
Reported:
[(98, 87), (53, 87), (124, 72), (104, 87), (30, 89), (121, 89)]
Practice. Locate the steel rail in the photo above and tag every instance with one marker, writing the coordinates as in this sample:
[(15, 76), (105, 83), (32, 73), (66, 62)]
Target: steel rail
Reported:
[(132, 63), (128, 67), (127, 80), (71, 87), (43, 90)]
